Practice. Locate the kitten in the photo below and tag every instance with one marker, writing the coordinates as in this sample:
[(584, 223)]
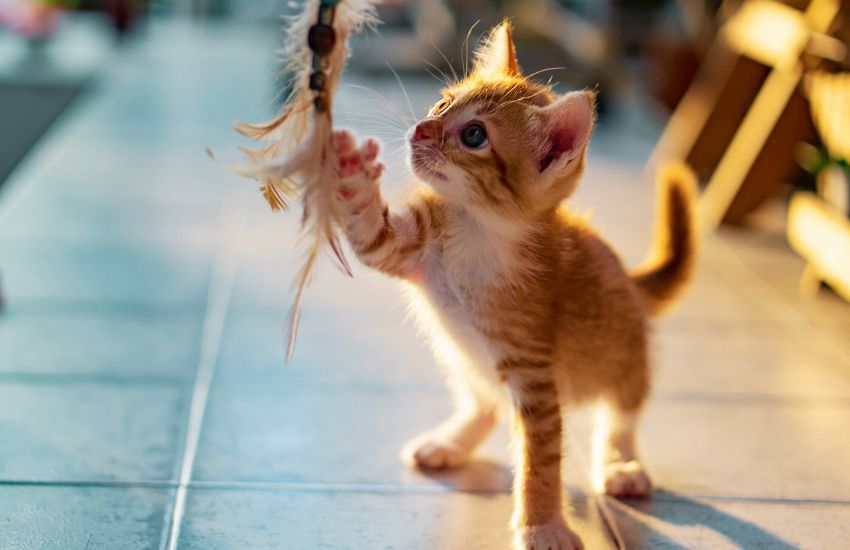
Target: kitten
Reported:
[(515, 293)]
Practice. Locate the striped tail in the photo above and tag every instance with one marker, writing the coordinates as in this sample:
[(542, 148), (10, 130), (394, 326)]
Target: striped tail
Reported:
[(673, 253)]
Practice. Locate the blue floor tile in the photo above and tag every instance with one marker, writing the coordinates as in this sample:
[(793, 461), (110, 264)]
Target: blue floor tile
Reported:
[(294, 521), (219, 520), (285, 431), (685, 523), (332, 345), (78, 518), (140, 275), (112, 340), (193, 175), (74, 430), (102, 219)]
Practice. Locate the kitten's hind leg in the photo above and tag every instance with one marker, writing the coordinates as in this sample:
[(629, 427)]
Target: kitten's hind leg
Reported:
[(451, 443), (617, 470)]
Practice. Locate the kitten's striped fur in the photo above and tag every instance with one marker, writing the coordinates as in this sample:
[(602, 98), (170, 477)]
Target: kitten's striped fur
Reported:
[(515, 293)]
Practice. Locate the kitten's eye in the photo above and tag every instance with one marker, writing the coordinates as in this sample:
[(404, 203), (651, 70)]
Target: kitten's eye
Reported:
[(474, 136), (441, 106)]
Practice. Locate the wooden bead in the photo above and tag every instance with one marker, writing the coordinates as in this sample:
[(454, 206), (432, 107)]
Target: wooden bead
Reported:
[(317, 81), (321, 39)]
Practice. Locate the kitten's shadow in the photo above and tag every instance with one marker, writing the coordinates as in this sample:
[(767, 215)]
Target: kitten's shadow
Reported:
[(480, 475), (636, 517)]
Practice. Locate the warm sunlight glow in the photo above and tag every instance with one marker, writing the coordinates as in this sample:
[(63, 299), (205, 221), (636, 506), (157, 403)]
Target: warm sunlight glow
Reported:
[(829, 95), (769, 32), (822, 236)]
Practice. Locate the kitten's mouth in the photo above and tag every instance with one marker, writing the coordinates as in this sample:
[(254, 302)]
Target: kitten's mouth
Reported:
[(424, 160)]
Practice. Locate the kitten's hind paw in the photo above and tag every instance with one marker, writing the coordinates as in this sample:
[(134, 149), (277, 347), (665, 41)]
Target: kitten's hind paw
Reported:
[(552, 536), (624, 479), (428, 452)]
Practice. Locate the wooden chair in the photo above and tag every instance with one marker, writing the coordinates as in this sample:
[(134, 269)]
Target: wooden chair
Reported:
[(818, 224), (742, 117)]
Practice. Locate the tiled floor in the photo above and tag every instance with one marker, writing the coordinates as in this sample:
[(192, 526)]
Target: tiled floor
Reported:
[(144, 402)]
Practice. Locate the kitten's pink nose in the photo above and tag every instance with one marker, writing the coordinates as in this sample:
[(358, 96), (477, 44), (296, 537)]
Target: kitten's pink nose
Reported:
[(425, 130)]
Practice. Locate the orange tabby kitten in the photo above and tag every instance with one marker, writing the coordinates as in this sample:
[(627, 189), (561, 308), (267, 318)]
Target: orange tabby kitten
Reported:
[(514, 292)]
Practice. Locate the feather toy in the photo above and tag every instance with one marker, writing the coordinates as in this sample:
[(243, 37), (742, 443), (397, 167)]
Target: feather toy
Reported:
[(298, 161)]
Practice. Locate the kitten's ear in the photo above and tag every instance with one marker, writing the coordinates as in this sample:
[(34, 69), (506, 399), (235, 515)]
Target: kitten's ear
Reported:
[(497, 57), (567, 125)]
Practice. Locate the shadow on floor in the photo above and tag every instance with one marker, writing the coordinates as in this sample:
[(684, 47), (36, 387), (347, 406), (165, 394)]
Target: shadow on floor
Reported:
[(650, 523), (477, 476)]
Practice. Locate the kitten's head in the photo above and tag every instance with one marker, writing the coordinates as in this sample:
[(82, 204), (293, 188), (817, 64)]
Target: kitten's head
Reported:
[(498, 142)]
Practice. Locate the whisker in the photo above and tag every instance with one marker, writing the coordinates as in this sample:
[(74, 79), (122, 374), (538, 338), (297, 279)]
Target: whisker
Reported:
[(535, 73), (445, 80), (372, 122), (403, 90), (446, 59), (375, 132), (465, 49), (387, 102), (398, 149), (377, 118), (380, 100), (524, 98)]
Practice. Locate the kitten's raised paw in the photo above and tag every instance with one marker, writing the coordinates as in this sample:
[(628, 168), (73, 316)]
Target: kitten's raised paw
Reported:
[(354, 160), (552, 536), (427, 452), (359, 169), (625, 479)]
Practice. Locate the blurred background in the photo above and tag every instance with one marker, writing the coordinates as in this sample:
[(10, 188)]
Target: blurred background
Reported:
[(144, 402)]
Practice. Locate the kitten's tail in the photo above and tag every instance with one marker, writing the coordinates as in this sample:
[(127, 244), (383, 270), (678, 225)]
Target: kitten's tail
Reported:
[(673, 252)]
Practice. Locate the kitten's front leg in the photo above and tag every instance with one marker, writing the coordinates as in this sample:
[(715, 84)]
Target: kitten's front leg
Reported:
[(389, 242), (538, 520)]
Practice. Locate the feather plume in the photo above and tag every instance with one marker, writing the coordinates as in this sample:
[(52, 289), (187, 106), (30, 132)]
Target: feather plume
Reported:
[(298, 161)]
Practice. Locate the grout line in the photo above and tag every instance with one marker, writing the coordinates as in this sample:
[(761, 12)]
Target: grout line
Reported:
[(92, 483), (63, 307), (576, 452), (660, 495), (777, 295), (801, 401), (72, 378), (232, 228), (307, 487), (609, 519)]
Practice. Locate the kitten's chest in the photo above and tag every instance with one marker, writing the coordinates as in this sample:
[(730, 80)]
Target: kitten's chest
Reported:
[(465, 271), (460, 285)]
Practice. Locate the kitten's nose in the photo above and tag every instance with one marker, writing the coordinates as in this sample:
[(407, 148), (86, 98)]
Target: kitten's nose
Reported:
[(425, 130)]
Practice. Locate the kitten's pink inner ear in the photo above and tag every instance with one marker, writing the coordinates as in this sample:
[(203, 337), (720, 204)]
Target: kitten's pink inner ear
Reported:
[(569, 121)]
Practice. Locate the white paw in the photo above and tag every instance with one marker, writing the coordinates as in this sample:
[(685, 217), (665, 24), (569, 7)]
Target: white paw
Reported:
[(624, 479), (359, 169), (552, 536), (430, 452)]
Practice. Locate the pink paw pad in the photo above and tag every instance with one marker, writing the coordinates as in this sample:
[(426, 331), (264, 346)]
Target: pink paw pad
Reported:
[(374, 172), (345, 193), (349, 165), (371, 150), (343, 141)]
